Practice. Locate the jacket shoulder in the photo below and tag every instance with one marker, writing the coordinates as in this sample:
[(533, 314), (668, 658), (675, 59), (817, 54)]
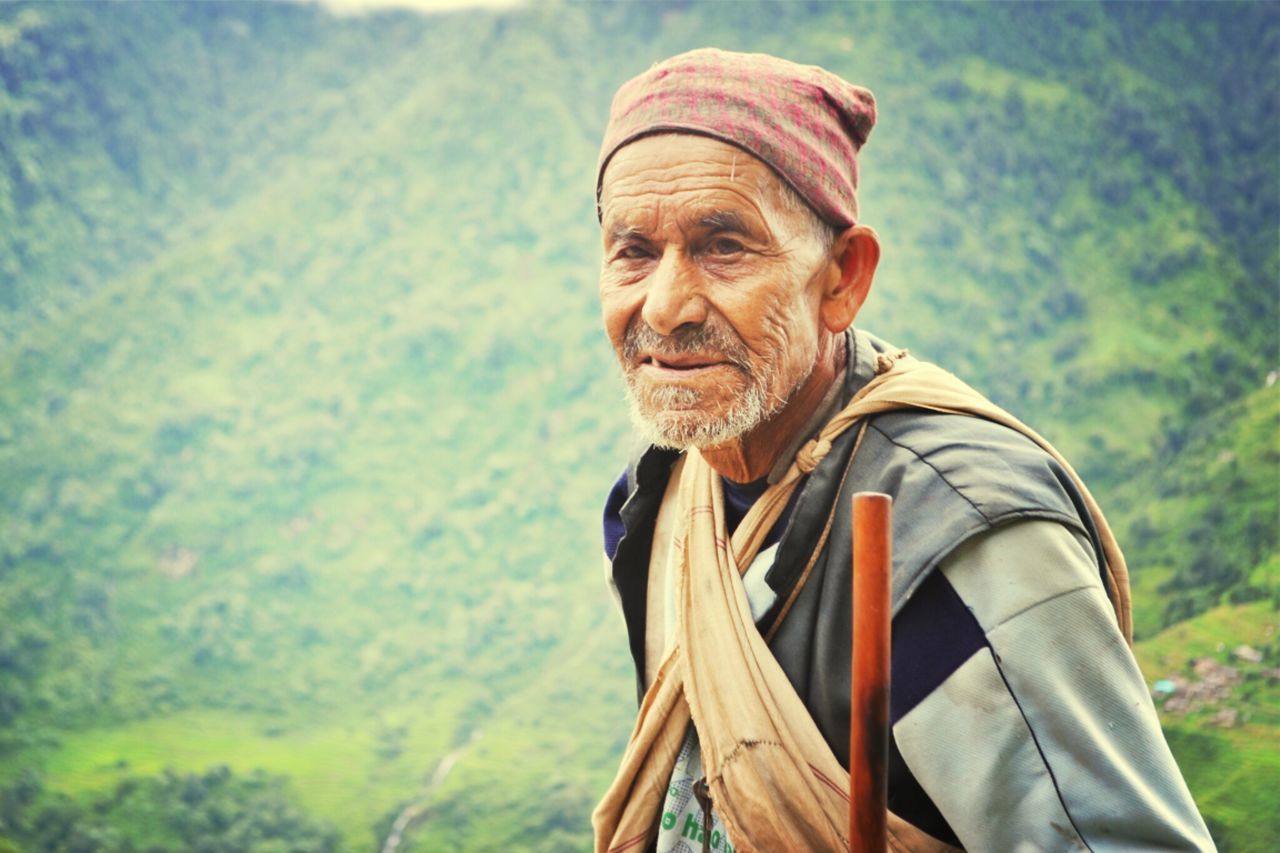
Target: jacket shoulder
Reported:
[(992, 471), (951, 477)]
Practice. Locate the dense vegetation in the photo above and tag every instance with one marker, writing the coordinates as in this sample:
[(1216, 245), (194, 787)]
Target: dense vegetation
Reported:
[(305, 415), (210, 812)]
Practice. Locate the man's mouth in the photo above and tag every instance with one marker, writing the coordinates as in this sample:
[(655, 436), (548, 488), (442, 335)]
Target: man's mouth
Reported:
[(682, 363)]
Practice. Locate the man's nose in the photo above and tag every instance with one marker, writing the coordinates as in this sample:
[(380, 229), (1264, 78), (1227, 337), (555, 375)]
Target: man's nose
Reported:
[(673, 297)]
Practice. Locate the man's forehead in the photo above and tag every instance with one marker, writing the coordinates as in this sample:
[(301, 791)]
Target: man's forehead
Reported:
[(690, 178), (648, 222)]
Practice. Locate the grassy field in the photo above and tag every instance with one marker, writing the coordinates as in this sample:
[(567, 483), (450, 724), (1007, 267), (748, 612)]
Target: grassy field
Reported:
[(342, 770)]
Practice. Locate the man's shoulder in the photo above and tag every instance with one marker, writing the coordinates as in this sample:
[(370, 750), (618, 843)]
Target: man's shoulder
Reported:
[(636, 493), (992, 468)]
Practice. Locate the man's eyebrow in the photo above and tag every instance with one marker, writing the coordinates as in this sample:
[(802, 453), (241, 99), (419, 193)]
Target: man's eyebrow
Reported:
[(621, 233), (725, 220)]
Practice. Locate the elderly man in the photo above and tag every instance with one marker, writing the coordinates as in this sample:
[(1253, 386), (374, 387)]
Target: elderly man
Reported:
[(734, 265)]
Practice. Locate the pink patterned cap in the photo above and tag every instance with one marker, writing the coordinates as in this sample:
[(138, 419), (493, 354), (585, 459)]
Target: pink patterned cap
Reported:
[(804, 122)]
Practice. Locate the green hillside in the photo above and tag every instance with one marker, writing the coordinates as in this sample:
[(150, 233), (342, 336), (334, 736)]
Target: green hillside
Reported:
[(1227, 738), (306, 416)]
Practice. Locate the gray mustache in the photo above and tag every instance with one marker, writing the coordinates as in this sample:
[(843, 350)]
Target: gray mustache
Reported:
[(704, 339)]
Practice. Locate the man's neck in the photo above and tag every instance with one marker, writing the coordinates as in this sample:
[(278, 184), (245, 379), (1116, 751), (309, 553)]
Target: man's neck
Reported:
[(752, 456)]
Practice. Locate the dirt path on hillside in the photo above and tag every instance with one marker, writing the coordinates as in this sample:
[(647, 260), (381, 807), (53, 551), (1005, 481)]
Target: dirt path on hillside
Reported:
[(417, 809)]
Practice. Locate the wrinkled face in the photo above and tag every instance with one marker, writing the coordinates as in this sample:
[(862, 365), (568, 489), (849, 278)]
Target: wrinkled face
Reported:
[(709, 287)]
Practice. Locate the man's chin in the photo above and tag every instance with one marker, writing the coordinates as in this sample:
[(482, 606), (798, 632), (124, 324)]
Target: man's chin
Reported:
[(676, 439), (684, 417), (690, 429)]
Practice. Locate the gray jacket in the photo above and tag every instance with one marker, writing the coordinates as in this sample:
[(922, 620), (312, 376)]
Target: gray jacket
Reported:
[(1020, 720)]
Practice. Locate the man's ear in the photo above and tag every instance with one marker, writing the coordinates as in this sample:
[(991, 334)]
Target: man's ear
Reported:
[(856, 252)]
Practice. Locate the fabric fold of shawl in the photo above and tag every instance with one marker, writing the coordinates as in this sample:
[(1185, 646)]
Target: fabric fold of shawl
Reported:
[(775, 782)]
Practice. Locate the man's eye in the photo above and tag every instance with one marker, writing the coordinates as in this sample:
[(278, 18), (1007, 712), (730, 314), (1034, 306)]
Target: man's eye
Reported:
[(725, 246), (633, 253)]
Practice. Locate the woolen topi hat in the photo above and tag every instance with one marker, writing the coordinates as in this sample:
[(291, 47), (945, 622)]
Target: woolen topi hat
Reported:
[(804, 122)]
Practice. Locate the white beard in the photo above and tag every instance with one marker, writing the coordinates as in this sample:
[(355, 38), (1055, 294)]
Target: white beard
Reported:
[(667, 416)]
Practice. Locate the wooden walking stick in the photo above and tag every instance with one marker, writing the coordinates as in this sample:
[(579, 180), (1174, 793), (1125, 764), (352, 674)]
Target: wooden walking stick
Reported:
[(869, 706)]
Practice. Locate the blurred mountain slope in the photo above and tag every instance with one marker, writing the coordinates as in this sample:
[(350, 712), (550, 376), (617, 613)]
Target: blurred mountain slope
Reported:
[(305, 415)]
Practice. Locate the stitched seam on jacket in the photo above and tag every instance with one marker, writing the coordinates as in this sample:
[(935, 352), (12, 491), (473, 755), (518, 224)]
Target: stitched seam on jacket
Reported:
[(1034, 605), (1044, 759), (934, 468)]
